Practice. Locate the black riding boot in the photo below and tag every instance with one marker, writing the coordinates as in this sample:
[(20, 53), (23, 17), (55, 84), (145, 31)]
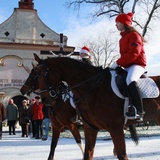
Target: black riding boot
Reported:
[(136, 101)]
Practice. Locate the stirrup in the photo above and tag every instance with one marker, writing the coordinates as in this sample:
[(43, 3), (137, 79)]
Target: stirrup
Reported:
[(133, 115)]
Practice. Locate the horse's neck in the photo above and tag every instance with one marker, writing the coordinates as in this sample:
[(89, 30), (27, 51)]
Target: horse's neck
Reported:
[(73, 75)]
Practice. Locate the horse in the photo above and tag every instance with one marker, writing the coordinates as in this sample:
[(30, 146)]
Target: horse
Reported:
[(61, 115), (95, 101), (31, 85)]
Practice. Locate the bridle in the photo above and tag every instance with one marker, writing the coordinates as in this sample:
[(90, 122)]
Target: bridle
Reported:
[(54, 93), (31, 86)]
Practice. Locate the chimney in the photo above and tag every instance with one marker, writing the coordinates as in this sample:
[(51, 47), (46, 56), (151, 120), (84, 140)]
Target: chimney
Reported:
[(26, 4)]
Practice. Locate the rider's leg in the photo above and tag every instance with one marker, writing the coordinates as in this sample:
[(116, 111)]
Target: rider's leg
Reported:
[(136, 99), (134, 73)]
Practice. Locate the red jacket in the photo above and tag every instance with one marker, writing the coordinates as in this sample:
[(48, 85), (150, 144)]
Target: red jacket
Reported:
[(131, 50), (37, 111)]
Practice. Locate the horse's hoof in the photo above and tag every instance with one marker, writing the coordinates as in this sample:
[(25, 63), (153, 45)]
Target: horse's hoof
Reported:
[(114, 153)]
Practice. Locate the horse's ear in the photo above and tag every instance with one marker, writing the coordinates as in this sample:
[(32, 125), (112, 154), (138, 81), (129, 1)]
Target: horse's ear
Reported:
[(34, 66), (36, 58)]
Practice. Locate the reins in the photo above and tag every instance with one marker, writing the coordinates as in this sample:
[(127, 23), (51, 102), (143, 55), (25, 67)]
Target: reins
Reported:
[(81, 83), (56, 92)]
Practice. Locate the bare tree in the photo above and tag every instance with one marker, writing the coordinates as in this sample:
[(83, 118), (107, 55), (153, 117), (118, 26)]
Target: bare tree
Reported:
[(146, 12), (103, 49), (112, 8)]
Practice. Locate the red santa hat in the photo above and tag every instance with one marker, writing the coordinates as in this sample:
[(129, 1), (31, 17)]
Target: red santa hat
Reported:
[(85, 50), (125, 18)]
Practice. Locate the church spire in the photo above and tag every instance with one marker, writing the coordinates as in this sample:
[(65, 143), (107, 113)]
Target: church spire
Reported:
[(26, 4)]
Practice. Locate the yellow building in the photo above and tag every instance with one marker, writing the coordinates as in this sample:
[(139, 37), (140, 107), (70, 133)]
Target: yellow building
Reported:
[(21, 35)]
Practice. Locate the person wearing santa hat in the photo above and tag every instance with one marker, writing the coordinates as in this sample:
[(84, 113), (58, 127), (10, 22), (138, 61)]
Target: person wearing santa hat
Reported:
[(133, 59), (85, 55)]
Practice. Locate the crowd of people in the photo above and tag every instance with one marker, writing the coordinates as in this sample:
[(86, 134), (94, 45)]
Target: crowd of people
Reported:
[(32, 115)]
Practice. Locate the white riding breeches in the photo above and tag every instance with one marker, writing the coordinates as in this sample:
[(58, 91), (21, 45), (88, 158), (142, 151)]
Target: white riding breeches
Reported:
[(134, 73)]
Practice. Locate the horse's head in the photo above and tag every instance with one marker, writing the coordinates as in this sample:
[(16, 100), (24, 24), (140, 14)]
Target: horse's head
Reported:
[(31, 83), (46, 82)]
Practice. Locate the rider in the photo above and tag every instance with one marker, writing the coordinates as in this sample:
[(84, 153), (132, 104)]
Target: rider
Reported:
[(133, 59), (85, 55)]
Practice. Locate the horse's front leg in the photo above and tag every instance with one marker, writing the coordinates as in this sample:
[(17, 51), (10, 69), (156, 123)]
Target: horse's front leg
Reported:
[(56, 129), (90, 140), (118, 138), (75, 132)]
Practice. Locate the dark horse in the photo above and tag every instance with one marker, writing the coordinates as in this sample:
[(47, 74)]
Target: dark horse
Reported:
[(96, 103), (60, 114)]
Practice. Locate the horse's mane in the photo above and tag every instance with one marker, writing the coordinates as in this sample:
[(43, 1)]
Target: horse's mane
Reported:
[(82, 71), (73, 62)]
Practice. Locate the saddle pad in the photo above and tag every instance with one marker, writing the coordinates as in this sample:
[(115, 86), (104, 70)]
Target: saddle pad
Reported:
[(147, 87), (69, 97), (114, 85), (71, 100)]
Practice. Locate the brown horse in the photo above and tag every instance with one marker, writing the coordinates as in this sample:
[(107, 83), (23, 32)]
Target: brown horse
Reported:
[(31, 85), (60, 114), (96, 103)]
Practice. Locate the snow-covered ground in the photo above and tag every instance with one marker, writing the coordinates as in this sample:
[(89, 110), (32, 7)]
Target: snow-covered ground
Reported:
[(14, 147)]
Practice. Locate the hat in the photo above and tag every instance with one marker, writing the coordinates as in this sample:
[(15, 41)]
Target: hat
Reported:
[(37, 97), (125, 18), (85, 50), (24, 101)]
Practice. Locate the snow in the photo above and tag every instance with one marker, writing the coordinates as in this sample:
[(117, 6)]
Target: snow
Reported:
[(14, 147)]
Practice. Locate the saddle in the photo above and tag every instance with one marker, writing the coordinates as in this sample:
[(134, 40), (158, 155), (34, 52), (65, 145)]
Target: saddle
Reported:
[(147, 86)]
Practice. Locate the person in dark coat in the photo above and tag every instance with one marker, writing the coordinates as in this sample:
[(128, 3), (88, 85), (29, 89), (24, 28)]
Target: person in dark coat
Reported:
[(2, 117), (24, 118), (12, 115)]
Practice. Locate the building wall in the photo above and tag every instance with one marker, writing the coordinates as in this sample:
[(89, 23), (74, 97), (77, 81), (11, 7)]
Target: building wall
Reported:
[(21, 35)]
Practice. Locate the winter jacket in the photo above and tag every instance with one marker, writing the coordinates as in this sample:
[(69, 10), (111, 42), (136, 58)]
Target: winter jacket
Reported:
[(24, 115), (12, 112), (86, 61), (2, 112), (37, 111), (131, 50)]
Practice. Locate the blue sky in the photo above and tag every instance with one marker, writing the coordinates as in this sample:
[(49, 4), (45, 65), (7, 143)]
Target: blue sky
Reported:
[(53, 13), (78, 27)]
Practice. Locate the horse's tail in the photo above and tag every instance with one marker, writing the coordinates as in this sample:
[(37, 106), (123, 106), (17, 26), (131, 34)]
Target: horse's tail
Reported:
[(133, 132)]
